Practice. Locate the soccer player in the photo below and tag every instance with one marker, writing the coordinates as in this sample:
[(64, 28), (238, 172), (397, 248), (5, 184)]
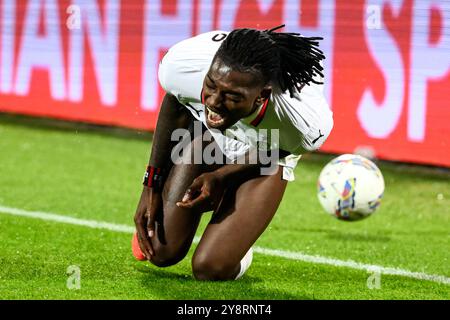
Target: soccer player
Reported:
[(230, 82)]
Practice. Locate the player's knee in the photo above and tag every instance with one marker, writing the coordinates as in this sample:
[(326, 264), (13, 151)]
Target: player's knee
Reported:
[(166, 256), (207, 268)]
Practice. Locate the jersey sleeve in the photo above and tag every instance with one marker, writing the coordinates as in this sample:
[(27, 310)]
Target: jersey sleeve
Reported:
[(183, 68), (307, 119), (317, 115)]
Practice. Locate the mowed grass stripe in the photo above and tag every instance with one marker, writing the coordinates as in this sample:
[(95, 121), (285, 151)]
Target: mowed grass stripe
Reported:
[(269, 252)]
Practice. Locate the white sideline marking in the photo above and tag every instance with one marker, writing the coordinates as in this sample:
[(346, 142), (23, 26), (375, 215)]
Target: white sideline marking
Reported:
[(353, 264), (69, 220), (270, 252)]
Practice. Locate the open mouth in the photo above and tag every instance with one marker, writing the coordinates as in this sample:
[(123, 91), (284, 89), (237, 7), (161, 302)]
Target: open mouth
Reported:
[(214, 119)]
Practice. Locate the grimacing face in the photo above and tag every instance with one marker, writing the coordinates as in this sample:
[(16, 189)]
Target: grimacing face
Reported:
[(230, 95)]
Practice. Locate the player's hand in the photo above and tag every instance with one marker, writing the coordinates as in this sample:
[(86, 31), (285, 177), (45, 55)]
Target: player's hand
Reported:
[(204, 193), (144, 219)]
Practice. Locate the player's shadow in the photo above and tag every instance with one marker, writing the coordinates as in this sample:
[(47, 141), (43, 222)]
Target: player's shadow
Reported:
[(167, 284)]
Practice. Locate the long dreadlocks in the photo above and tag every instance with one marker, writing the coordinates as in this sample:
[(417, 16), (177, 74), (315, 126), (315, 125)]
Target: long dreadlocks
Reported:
[(288, 60)]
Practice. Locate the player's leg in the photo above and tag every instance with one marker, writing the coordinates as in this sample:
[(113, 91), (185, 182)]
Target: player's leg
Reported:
[(244, 214), (176, 227)]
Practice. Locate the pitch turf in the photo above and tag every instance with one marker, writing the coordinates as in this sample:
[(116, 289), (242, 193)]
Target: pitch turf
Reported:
[(95, 174)]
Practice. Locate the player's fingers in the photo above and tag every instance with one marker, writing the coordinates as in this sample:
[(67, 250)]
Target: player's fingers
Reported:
[(149, 232), (187, 195), (196, 184), (144, 242), (151, 223), (137, 222), (192, 191), (194, 202), (195, 187), (141, 245)]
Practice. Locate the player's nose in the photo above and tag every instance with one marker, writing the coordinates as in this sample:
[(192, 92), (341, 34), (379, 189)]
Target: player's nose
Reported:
[(214, 101)]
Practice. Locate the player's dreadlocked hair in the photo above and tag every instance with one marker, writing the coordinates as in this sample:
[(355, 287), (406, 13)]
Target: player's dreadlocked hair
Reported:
[(286, 59)]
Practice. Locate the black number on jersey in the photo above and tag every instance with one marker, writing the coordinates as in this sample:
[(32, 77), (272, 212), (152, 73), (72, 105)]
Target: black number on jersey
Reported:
[(219, 37)]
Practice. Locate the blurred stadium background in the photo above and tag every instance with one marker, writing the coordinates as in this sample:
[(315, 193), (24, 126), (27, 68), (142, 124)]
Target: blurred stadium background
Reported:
[(79, 98)]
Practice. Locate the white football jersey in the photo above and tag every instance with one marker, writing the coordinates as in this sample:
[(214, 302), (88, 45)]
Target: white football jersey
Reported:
[(303, 121)]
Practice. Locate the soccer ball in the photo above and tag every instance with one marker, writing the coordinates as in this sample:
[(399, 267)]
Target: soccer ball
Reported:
[(350, 187)]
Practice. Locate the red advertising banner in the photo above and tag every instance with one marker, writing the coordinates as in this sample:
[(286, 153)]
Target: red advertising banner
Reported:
[(387, 68)]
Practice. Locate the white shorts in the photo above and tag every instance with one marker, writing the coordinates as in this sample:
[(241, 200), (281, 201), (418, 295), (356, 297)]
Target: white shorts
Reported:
[(234, 149)]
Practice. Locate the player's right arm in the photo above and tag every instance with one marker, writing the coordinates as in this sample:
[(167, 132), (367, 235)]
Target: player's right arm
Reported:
[(180, 74), (172, 115)]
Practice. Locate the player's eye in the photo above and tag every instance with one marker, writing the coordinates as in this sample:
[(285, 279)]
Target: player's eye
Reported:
[(234, 98), (209, 84)]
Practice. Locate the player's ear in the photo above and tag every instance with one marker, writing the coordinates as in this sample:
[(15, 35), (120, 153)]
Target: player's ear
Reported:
[(264, 95)]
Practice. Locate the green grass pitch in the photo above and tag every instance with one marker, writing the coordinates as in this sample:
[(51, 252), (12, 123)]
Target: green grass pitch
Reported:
[(95, 174)]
